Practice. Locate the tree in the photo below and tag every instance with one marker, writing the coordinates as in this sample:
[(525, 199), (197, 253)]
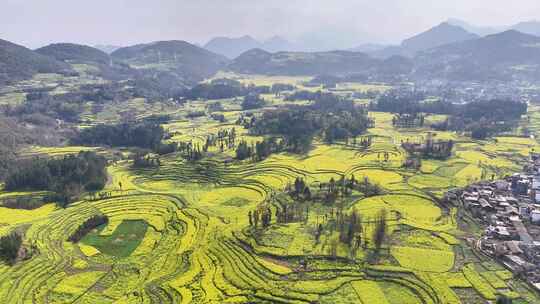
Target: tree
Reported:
[(502, 299), (9, 247), (253, 101), (333, 247), (379, 234), (243, 151)]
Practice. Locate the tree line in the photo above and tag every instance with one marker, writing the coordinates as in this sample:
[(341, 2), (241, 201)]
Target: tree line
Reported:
[(146, 134), (68, 177), (230, 88), (87, 226), (482, 118)]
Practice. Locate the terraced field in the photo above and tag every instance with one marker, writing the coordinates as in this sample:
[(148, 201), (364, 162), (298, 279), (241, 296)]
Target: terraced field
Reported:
[(180, 233)]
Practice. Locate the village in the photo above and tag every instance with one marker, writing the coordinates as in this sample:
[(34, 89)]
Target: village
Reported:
[(509, 212)]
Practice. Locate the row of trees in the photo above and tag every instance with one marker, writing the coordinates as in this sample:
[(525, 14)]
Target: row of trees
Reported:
[(146, 160), (230, 88), (259, 150), (408, 120), (87, 226)]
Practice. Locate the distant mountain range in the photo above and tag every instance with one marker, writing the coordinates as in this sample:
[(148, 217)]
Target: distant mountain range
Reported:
[(502, 56), (233, 47), (446, 51)]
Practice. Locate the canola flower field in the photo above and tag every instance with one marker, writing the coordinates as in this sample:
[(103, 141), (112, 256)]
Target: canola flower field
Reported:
[(179, 233)]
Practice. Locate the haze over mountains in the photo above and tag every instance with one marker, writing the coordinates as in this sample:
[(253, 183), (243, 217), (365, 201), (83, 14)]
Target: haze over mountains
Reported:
[(233, 47), (446, 51), (453, 30), (441, 34), (527, 27)]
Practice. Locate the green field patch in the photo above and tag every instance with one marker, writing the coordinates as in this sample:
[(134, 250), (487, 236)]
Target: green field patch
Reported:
[(450, 170), (122, 242)]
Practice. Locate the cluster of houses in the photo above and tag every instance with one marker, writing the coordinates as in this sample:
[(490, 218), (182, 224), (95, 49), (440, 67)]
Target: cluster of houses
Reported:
[(464, 92), (510, 211)]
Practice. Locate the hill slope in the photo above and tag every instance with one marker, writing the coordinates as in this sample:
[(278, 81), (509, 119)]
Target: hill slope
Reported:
[(442, 34), (187, 62), (502, 56), (258, 61), (18, 62), (74, 52)]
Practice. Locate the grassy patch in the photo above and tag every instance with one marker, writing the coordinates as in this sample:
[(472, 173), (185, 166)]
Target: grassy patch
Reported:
[(124, 240)]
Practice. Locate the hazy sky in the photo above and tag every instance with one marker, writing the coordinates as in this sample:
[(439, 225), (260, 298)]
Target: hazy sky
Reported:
[(122, 22)]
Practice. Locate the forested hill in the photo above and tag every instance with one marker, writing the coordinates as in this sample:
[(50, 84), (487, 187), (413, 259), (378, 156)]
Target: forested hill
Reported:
[(18, 62), (186, 61), (74, 52)]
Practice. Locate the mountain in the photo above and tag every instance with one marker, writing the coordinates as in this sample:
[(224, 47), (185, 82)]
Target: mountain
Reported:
[(18, 63), (442, 34), (178, 59), (529, 27), (70, 52), (504, 56), (232, 47), (337, 63), (107, 48)]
